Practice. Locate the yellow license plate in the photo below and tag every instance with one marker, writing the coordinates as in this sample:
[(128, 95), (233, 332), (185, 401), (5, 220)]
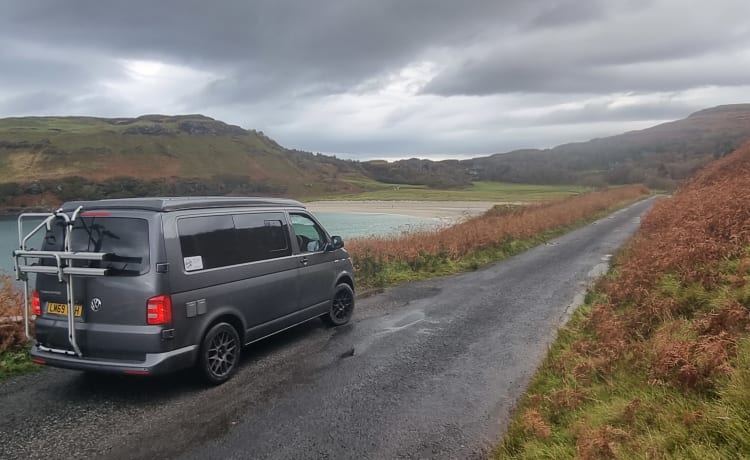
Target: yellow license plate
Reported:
[(62, 309)]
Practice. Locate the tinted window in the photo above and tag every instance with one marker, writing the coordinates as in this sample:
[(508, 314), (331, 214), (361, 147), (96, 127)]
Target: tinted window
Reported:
[(310, 236), (261, 236), (207, 242), (126, 238), (220, 241)]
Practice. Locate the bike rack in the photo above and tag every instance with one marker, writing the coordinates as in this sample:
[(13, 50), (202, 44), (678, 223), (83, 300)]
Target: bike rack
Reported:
[(63, 264)]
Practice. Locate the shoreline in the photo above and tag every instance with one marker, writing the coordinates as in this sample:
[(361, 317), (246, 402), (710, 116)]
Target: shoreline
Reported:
[(443, 210)]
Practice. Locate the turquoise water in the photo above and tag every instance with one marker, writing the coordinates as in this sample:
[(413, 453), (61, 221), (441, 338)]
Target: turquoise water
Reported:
[(9, 242), (346, 225), (353, 225)]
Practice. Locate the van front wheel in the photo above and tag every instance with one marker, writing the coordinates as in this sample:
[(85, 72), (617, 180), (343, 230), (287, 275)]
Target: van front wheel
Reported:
[(220, 353), (342, 306)]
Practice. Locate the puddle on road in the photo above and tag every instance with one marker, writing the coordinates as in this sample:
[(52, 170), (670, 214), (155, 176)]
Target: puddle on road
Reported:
[(407, 320), (384, 326)]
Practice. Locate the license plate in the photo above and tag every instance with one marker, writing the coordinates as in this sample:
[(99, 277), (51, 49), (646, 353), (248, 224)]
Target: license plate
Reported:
[(62, 309)]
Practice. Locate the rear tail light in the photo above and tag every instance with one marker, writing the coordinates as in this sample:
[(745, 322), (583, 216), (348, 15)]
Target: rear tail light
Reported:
[(159, 310), (36, 303)]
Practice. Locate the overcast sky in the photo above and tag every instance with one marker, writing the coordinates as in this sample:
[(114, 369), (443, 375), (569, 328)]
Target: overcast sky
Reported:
[(381, 78)]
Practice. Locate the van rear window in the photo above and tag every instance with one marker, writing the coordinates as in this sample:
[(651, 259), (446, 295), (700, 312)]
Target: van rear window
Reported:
[(124, 237)]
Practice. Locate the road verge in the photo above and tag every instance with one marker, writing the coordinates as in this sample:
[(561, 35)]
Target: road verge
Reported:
[(502, 232), (656, 363)]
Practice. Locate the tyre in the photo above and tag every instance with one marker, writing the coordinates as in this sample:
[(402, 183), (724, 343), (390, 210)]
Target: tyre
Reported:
[(220, 353), (342, 306)]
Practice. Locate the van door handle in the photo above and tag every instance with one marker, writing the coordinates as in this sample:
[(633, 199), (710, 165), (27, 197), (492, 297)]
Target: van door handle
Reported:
[(304, 260)]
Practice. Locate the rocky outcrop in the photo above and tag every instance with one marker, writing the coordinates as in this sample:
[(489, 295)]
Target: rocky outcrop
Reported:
[(148, 130), (209, 128)]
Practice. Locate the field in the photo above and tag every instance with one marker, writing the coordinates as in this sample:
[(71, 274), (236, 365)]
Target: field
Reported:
[(657, 363), (478, 191)]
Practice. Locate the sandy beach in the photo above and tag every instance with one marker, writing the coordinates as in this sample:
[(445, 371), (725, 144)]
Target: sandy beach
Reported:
[(444, 210)]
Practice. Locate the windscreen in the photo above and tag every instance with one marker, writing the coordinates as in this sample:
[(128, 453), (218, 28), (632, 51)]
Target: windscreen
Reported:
[(125, 238)]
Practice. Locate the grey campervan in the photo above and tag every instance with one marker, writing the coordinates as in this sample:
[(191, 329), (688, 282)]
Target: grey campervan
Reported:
[(152, 285)]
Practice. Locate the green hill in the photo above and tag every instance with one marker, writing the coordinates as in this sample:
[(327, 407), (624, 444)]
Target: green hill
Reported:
[(56, 158)]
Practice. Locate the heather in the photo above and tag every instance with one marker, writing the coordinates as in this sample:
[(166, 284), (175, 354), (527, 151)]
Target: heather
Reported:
[(14, 357), (657, 363)]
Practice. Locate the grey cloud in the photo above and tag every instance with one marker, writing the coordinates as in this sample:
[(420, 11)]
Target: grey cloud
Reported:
[(31, 68), (264, 48), (337, 40), (35, 102), (51, 102), (556, 14), (636, 49), (607, 112), (543, 77)]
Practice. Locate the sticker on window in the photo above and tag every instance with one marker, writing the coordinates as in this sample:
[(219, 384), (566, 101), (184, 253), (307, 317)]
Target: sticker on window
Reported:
[(193, 263)]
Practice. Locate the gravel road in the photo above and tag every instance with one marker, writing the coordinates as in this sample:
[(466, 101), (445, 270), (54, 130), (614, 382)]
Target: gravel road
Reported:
[(426, 370)]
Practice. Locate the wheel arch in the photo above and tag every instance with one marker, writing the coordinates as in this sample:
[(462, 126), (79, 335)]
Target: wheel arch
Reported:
[(225, 316), (345, 278)]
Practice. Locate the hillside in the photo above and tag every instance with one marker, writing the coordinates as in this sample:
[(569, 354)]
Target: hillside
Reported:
[(660, 156), (45, 160), (657, 364), (51, 158)]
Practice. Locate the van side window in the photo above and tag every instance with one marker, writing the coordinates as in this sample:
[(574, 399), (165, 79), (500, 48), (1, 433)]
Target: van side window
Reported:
[(262, 236), (207, 242), (224, 240), (310, 236)]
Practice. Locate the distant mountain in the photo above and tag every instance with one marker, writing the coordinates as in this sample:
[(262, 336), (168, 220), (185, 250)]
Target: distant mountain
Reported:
[(49, 159), (659, 156)]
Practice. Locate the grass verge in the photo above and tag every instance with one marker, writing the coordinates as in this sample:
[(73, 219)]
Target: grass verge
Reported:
[(500, 233), (656, 364), (16, 362), (14, 348)]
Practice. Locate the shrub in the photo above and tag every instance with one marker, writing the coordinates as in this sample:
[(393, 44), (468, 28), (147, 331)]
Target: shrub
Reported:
[(12, 335)]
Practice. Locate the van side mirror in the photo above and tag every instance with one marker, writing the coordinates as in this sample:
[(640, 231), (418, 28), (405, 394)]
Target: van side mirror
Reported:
[(336, 243)]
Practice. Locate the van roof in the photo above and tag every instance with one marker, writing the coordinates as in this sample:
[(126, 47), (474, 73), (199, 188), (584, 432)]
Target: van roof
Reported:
[(183, 202)]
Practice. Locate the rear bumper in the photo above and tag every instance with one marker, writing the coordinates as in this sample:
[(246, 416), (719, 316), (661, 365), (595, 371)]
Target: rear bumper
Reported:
[(153, 364)]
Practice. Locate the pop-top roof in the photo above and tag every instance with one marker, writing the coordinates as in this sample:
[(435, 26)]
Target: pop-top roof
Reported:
[(178, 203)]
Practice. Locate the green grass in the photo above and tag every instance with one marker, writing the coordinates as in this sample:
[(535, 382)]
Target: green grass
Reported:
[(16, 362), (478, 191), (659, 421)]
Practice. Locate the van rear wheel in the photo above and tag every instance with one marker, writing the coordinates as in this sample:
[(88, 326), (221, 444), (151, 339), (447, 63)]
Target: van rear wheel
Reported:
[(220, 353), (342, 306)]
